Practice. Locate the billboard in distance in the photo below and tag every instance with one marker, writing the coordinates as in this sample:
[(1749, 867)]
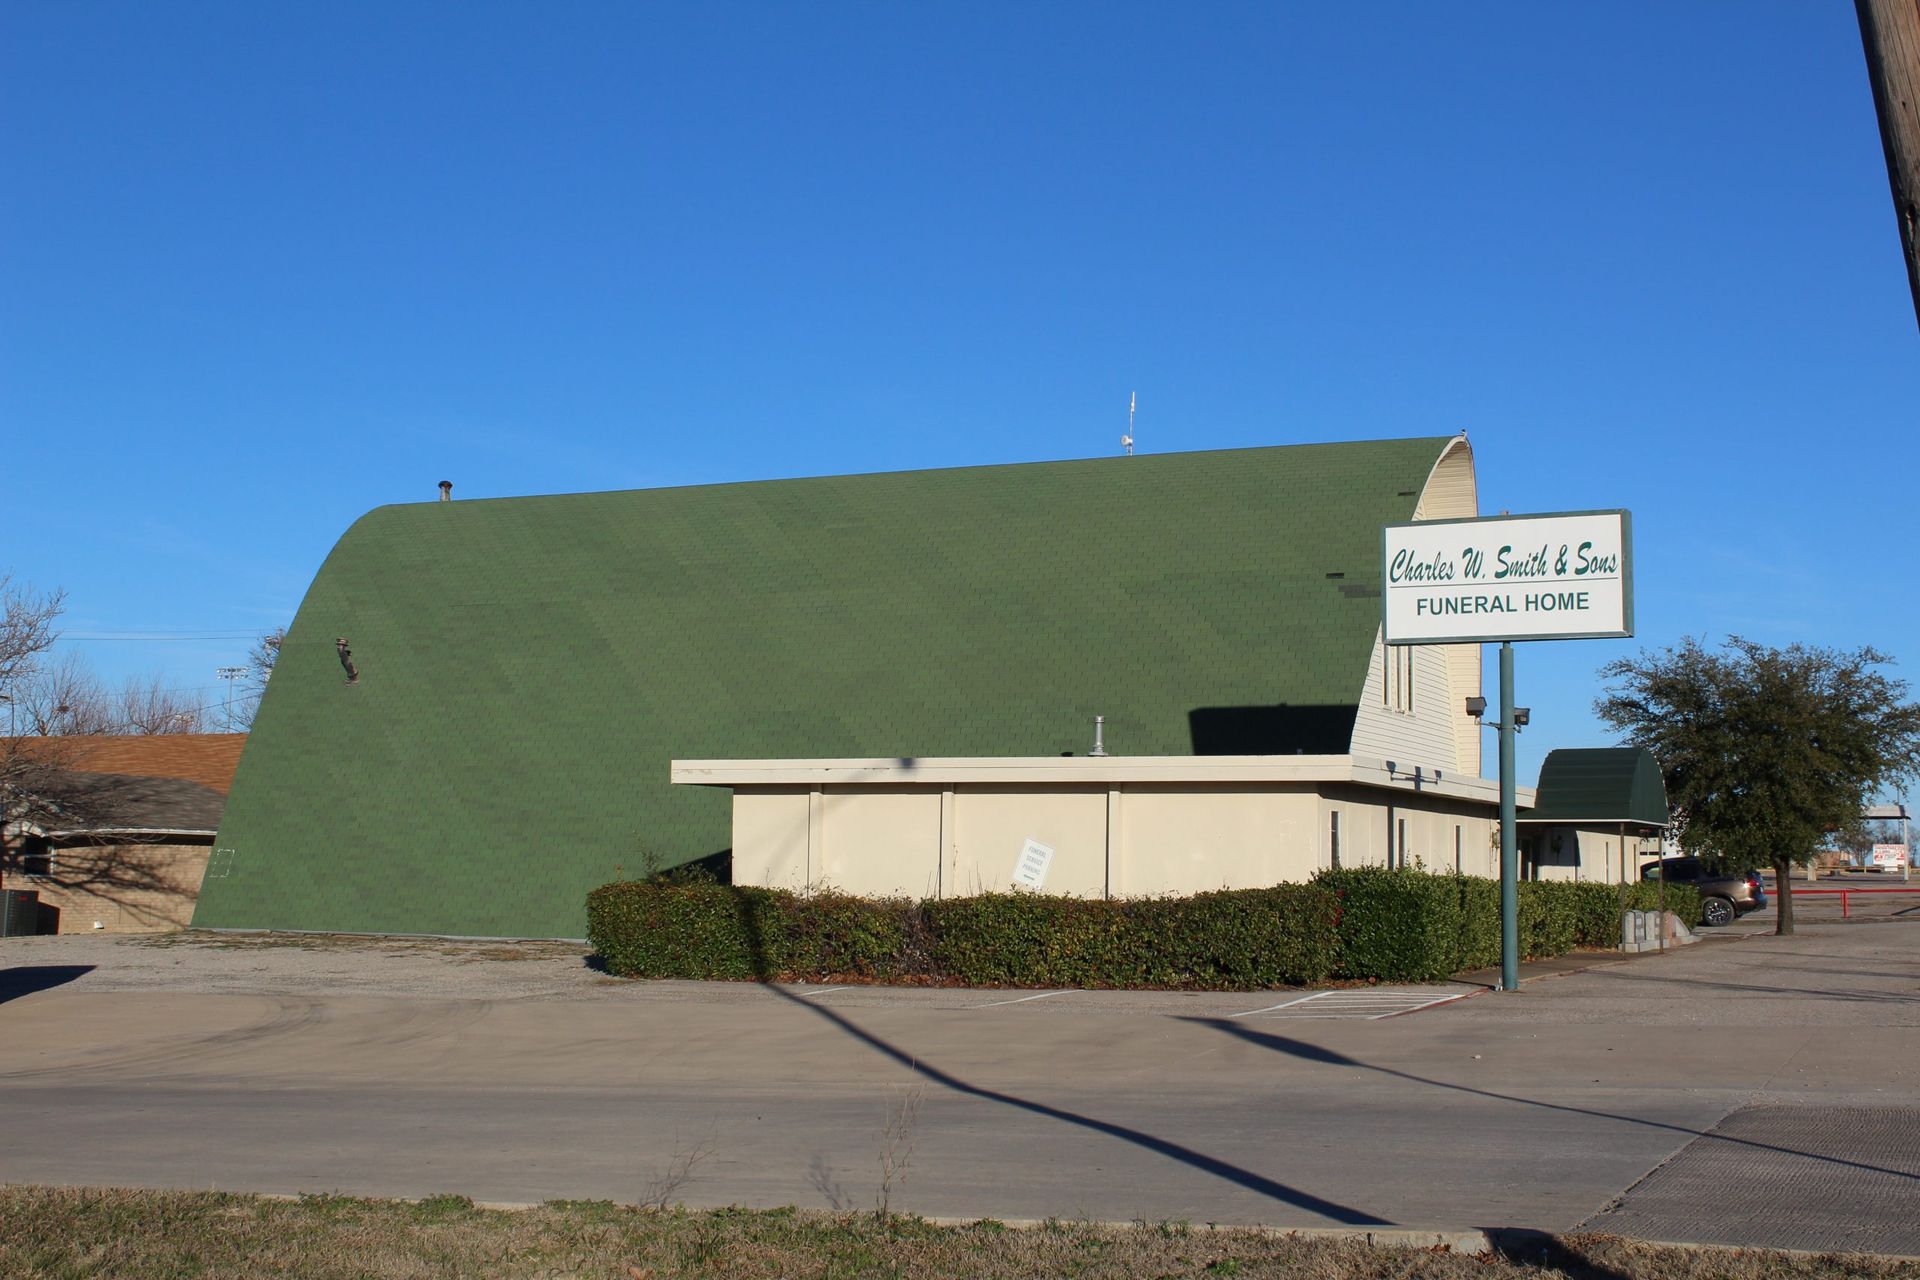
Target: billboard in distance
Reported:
[(1559, 576)]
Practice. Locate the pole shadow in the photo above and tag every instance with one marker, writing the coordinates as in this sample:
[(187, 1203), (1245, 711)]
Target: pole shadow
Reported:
[(1331, 1057), (765, 971)]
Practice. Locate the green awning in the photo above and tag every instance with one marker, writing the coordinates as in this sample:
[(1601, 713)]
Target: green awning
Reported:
[(1582, 786)]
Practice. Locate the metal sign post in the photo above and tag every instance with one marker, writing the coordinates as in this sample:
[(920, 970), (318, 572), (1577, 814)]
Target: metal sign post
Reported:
[(1509, 843)]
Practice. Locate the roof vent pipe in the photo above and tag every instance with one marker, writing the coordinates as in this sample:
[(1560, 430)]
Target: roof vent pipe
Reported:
[(1099, 744), (446, 491)]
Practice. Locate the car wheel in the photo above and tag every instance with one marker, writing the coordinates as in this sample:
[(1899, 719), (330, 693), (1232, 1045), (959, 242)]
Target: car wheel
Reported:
[(1715, 912)]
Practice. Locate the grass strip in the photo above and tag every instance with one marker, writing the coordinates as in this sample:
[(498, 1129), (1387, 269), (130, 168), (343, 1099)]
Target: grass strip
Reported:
[(73, 1233)]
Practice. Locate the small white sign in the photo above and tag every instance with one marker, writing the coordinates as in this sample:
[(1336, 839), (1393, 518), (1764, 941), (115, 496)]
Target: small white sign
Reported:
[(1890, 855), (1031, 868), (1545, 577)]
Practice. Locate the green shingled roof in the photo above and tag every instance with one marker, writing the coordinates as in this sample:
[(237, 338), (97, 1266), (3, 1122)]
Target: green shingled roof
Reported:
[(529, 666), (1600, 784)]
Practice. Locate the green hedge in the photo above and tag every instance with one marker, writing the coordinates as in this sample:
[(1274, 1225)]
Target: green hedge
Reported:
[(1407, 925), (1231, 940), (1364, 923), (1234, 940)]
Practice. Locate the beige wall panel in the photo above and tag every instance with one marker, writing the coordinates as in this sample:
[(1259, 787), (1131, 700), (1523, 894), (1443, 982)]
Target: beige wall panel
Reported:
[(1182, 840), (1425, 737), (770, 837), (992, 824), (881, 842), (125, 888)]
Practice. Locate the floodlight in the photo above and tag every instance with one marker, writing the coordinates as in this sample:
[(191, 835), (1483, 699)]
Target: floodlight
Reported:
[(1476, 707), (1521, 715)]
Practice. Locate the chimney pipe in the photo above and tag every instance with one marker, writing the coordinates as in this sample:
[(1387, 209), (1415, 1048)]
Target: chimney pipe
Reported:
[(446, 491)]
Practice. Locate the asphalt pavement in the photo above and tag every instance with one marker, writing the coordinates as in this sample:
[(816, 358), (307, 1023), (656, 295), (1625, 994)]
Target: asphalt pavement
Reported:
[(527, 1076)]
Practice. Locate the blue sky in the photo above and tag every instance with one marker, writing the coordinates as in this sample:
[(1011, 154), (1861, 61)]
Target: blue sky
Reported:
[(266, 267)]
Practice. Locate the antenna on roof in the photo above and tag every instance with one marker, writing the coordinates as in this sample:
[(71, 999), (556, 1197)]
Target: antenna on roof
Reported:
[(1126, 441)]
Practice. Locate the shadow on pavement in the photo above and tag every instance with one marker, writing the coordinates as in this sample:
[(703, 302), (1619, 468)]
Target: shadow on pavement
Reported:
[(1856, 997), (1330, 1057), (1340, 1213), (24, 980)]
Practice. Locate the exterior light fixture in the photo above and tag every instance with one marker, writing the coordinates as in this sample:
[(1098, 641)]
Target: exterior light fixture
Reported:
[(1476, 707), (1521, 715)]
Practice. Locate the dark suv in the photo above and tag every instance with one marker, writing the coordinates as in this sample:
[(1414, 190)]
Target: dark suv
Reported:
[(1724, 895)]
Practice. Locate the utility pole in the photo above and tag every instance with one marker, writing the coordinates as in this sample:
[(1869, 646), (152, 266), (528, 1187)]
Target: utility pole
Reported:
[(230, 674), (1890, 31)]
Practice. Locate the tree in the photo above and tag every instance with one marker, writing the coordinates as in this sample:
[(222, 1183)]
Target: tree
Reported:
[(27, 632), (147, 706), (1765, 750)]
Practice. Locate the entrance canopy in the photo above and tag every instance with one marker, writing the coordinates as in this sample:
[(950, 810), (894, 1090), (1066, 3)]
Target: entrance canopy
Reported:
[(1600, 786)]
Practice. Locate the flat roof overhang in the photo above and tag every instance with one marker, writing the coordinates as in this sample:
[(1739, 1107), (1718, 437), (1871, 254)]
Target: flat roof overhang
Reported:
[(1359, 771)]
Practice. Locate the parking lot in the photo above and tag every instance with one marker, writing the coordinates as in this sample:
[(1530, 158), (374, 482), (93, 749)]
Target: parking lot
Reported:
[(519, 1073)]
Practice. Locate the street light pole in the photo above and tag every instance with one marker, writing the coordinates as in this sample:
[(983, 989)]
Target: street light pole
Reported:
[(231, 674)]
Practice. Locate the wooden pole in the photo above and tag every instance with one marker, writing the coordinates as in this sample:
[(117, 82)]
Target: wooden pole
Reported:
[(1890, 31)]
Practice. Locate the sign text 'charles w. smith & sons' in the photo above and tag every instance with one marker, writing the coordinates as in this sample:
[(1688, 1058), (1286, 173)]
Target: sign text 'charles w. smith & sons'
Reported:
[(1544, 577)]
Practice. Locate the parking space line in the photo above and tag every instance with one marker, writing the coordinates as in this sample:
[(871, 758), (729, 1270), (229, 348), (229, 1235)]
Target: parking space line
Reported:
[(1023, 999), (1424, 1005), (1270, 1008), (824, 991)]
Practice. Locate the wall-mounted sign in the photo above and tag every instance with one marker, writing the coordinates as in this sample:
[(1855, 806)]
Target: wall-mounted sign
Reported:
[(1030, 870), (1564, 576)]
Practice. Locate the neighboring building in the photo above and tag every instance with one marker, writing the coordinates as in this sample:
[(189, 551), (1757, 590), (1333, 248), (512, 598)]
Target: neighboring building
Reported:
[(122, 830), (526, 669), (1597, 812)]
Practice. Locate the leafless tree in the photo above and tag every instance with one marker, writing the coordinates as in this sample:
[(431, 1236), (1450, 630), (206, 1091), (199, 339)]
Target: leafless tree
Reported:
[(26, 628), (63, 698), (147, 706), (27, 769)]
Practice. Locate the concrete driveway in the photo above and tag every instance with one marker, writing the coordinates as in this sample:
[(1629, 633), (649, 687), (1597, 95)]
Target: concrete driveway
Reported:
[(525, 1076)]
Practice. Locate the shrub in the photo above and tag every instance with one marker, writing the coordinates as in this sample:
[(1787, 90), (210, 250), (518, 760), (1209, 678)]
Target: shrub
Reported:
[(1406, 925), (664, 930), (1237, 940), (1032, 939), (829, 935), (1230, 940), (1362, 922)]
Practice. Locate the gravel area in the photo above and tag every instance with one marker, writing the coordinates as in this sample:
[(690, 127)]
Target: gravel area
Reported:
[(317, 964)]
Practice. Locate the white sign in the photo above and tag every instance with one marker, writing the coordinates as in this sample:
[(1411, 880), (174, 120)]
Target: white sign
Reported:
[(1564, 576), (1889, 855), (1031, 868)]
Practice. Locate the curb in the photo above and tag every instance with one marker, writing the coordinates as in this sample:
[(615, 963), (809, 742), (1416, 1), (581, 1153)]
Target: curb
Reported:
[(1507, 1241)]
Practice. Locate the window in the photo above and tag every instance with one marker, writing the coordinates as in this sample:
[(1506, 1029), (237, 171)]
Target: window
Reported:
[(1459, 839), (36, 856), (1400, 842), (1396, 679), (1333, 844)]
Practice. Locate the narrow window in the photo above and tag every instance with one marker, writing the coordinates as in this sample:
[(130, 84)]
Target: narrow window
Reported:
[(1333, 845), (1402, 842), (1459, 838)]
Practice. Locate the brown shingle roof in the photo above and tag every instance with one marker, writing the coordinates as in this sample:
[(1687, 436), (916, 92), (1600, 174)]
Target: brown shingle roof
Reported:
[(206, 758)]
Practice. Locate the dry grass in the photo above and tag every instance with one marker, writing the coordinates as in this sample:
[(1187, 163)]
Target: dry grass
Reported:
[(72, 1233)]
